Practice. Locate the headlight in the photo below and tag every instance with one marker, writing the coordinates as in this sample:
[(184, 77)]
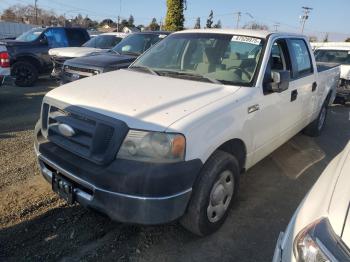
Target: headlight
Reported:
[(318, 243), (153, 147)]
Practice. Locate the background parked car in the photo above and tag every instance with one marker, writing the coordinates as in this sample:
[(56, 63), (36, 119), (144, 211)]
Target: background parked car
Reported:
[(320, 228), (339, 55), (28, 55), (121, 56), (100, 43)]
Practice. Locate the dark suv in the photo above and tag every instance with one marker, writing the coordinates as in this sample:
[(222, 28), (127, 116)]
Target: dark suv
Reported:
[(28, 53), (121, 56)]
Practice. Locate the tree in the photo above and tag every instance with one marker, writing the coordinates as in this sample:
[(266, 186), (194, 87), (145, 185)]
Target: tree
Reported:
[(313, 39), (175, 19), (325, 39), (218, 24), (131, 21), (210, 19), (347, 39), (154, 26), (256, 26), (198, 23), (8, 15), (107, 21)]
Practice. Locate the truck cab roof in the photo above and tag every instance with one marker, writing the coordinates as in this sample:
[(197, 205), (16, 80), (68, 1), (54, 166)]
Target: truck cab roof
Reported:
[(245, 32)]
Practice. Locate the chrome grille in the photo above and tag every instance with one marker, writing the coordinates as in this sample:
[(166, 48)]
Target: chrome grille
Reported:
[(93, 138)]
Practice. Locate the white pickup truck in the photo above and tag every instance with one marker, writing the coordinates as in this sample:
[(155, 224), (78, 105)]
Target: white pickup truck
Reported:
[(169, 137)]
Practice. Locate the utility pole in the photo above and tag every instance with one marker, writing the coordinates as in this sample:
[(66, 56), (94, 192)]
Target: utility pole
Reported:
[(36, 11), (304, 17), (276, 26), (238, 18), (120, 11)]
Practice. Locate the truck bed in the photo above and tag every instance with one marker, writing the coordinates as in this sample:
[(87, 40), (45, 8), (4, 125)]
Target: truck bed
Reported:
[(322, 66)]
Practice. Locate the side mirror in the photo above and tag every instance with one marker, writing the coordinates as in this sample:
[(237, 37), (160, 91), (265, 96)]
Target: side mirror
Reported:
[(43, 40), (279, 81)]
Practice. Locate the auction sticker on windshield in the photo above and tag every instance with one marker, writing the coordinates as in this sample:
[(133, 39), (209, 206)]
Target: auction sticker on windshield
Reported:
[(246, 39)]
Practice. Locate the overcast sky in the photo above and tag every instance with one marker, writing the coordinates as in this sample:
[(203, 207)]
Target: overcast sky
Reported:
[(331, 17)]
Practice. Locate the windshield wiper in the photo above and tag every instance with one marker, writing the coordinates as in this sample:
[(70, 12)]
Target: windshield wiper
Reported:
[(131, 53), (191, 75), (145, 68), (114, 51)]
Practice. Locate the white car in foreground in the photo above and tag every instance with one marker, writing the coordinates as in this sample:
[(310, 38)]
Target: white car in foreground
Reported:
[(320, 228)]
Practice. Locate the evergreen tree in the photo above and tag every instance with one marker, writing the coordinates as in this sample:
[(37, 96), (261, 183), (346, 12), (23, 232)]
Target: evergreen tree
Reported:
[(218, 24), (175, 19), (210, 19), (154, 26), (198, 23), (131, 21)]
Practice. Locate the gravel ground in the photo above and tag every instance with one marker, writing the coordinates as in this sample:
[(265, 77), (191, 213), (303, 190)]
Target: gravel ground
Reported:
[(36, 226)]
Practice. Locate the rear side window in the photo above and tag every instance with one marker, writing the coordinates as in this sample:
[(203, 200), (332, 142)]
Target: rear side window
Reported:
[(301, 58), (76, 37), (56, 37)]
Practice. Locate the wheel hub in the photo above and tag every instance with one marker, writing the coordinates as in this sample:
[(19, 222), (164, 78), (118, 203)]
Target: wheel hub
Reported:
[(220, 196)]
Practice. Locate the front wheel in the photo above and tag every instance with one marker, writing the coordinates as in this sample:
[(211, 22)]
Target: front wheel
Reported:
[(212, 195), (25, 73), (315, 128)]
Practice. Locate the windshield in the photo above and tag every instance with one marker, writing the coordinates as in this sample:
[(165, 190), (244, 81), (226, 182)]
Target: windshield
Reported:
[(333, 56), (103, 41), (30, 35), (228, 59), (136, 44)]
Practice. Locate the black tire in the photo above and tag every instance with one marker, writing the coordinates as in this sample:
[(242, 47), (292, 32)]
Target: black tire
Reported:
[(25, 74), (196, 218), (315, 127)]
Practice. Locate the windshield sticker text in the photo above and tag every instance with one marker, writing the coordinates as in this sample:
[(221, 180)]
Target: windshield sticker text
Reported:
[(246, 39)]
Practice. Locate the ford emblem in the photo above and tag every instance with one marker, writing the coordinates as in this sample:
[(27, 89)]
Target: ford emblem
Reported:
[(66, 130)]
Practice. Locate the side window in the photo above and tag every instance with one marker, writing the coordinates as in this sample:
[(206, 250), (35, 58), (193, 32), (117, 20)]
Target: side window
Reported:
[(56, 37), (76, 37), (301, 58), (279, 59)]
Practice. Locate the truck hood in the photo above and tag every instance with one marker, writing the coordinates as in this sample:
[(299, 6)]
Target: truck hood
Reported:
[(74, 51), (100, 60), (141, 100)]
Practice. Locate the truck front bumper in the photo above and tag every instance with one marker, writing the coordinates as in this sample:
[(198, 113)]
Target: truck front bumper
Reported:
[(127, 191)]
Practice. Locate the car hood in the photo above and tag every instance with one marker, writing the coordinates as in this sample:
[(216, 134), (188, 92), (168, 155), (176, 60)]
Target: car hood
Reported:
[(339, 216), (74, 51), (142, 100), (100, 60)]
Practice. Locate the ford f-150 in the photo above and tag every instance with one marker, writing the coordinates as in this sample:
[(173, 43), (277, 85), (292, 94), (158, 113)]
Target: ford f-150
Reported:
[(169, 137)]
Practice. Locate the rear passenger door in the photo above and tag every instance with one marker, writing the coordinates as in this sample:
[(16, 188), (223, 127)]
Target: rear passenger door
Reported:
[(76, 37), (303, 78), (290, 101)]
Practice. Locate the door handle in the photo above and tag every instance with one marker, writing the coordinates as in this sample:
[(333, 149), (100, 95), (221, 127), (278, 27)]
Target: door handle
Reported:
[(314, 86), (294, 95)]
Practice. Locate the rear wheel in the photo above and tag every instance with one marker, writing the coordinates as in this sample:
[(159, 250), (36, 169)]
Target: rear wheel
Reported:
[(212, 195), (315, 128), (25, 73)]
